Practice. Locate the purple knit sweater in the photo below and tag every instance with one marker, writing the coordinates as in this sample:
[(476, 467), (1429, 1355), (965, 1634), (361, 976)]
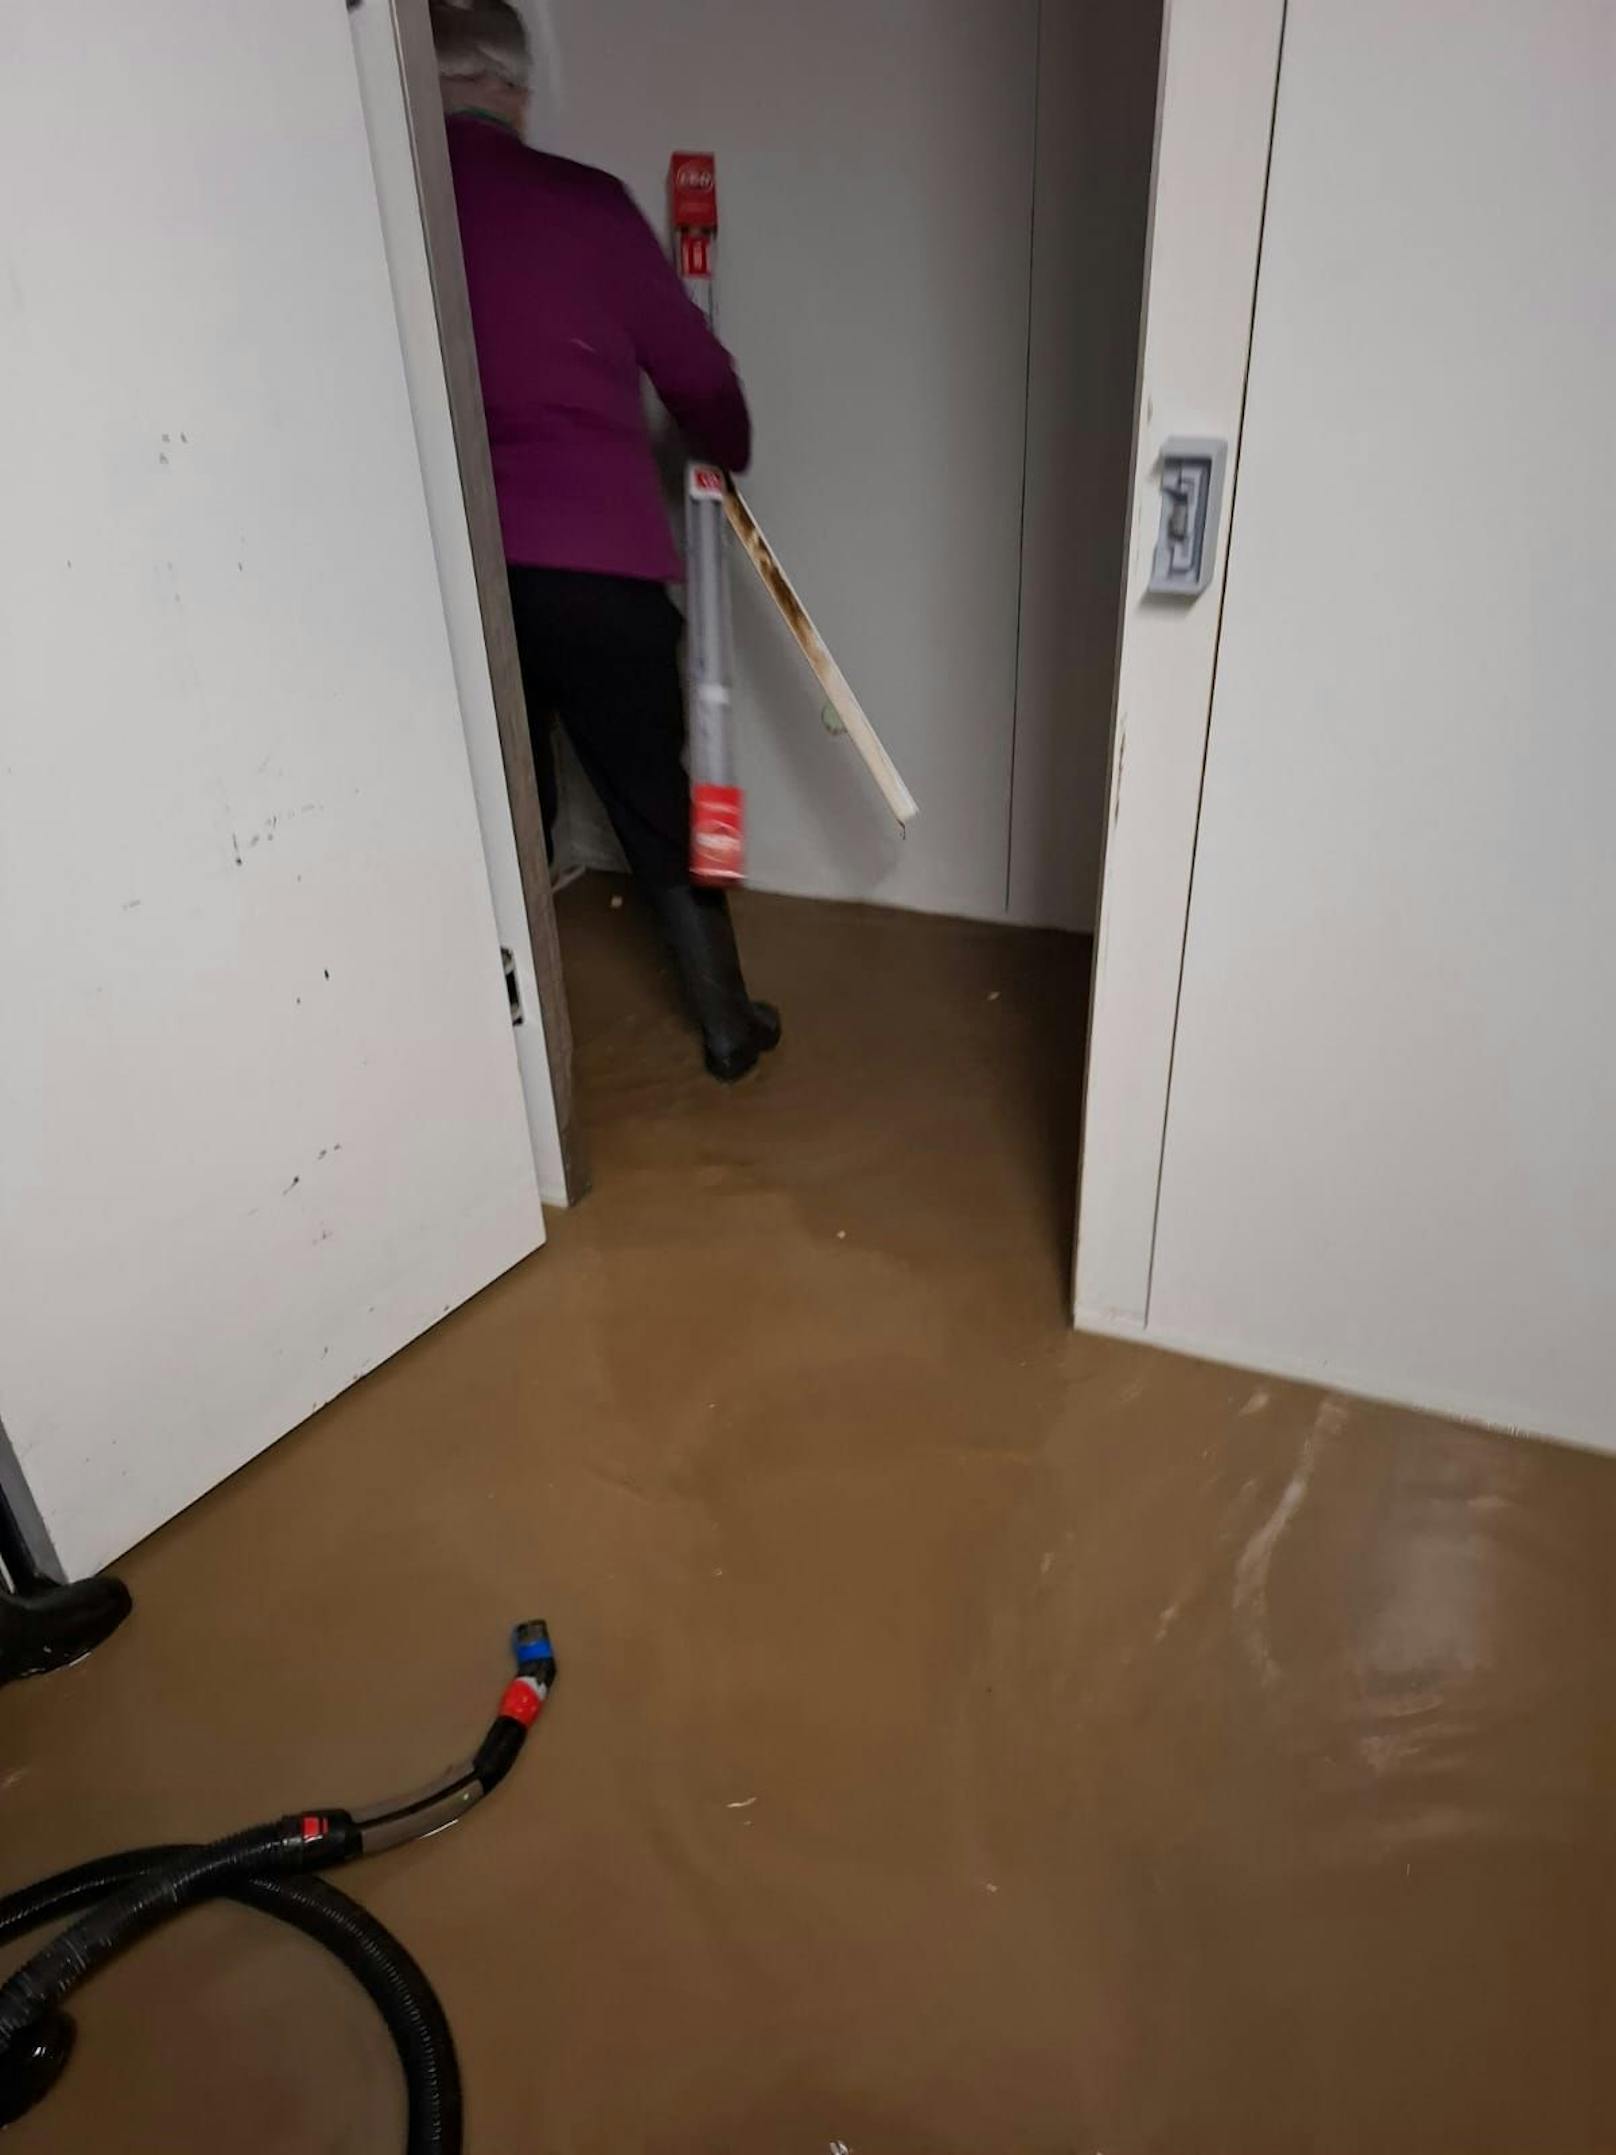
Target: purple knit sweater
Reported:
[(572, 299)]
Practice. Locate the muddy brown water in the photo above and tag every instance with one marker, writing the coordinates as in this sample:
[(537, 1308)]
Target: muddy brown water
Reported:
[(973, 1739)]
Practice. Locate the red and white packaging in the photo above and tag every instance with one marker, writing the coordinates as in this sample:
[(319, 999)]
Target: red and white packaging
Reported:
[(693, 191), (717, 834), (693, 214)]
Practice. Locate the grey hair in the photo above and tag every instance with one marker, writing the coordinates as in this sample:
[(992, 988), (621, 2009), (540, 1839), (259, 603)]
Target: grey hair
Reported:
[(480, 37)]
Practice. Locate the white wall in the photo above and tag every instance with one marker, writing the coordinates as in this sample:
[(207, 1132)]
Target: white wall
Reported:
[(1389, 1161), (1391, 1145), (876, 171)]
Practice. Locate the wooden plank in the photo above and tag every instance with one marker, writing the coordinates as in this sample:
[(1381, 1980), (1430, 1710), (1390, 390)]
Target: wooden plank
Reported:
[(815, 650)]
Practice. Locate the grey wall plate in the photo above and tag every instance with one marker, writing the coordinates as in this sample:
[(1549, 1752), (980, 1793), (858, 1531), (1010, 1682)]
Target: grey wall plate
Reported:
[(1191, 496)]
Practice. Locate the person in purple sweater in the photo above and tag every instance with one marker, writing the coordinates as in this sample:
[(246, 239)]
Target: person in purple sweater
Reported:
[(572, 300)]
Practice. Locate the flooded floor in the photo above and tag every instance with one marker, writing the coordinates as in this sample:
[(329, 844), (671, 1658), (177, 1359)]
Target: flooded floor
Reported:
[(973, 1739)]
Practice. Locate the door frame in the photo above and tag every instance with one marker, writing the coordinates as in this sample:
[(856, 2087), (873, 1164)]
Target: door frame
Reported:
[(1214, 134), (445, 364)]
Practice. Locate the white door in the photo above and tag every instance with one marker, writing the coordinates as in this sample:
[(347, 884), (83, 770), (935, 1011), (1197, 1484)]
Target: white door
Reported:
[(1388, 1158), (260, 1117)]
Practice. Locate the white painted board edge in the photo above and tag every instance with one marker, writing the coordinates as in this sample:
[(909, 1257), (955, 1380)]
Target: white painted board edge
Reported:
[(817, 652)]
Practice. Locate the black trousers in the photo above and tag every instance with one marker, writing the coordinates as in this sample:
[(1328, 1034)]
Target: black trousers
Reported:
[(601, 654)]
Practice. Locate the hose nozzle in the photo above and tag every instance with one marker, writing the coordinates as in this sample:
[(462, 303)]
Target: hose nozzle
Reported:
[(535, 1656)]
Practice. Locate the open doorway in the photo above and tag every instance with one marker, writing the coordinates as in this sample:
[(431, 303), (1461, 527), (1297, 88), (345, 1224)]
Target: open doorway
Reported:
[(932, 257)]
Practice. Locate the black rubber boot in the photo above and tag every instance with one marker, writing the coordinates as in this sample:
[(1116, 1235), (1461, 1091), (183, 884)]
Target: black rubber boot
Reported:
[(44, 1631), (735, 1030)]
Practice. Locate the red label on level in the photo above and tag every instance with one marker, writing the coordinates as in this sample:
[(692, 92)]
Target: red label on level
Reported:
[(695, 254), (717, 834), (693, 191)]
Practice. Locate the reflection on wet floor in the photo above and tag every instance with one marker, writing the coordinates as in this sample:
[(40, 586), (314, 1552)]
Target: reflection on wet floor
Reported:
[(977, 1740)]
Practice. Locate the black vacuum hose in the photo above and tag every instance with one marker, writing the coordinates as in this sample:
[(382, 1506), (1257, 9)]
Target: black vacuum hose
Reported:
[(392, 1979), (119, 1898)]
